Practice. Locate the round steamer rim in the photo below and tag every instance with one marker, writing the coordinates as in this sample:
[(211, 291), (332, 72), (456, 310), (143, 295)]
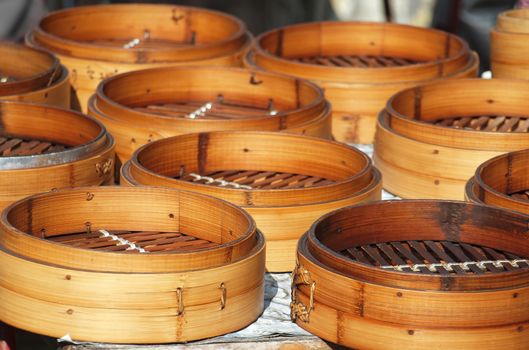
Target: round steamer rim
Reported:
[(240, 35), (11, 232), (366, 170), (259, 50), (100, 96), (429, 127), (477, 183), (36, 82), (309, 240), (509, 22), (55, 158), (372, 186)]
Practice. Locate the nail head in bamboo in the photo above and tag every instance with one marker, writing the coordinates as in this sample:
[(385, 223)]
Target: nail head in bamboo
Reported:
[(284, 181), (32, 75), (44, 148), (144, 106), (430, 139), (360, 65), (502, 181), (415, 275), (130, 265), (96, 42), (509, 42)]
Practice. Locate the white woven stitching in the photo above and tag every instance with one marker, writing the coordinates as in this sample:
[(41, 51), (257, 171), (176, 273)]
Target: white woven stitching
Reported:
[(122, 241), (449, 266), (200, 111), (222, 183)]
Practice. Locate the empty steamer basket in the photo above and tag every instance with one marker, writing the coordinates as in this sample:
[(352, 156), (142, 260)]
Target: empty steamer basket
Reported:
[(284, 181), (143, 106), (509, 42), (415, 275), (360, 65), (430, 139), (95, 42), (502, 181), (43, 148), (129, 265), (32, 75)]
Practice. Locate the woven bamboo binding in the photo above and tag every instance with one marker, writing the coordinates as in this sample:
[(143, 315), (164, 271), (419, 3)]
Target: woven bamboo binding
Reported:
[(360, 65), (509, 42), (143, 106), (129, 265), (415, 275), (431, 139), (95, 42), (44, 148), (502, 181), (32, 75), (284, 181)]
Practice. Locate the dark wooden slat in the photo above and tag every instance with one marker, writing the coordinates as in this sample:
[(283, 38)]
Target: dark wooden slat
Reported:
[(437, 249), (375, 255), (460, 255), (412, 257), (477, 255), (427, 256)]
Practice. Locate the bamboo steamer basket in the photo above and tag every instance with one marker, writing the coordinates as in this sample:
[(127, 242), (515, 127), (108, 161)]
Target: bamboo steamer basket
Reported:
[(502, 181), (284, 181), (143, 106), (129, 265), (360, 65), (96, 42), (32, 75), (415, 275), (44, 148), (430, 139), (509, 45)]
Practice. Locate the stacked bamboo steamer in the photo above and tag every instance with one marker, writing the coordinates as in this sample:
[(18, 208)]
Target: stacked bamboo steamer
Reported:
[(415, 275), (95, 42), (32, 75), (510, 45), (430, 139), (502, 181), (129, 265), (284, 181), (44, 148), (143, 106), (360, 65)]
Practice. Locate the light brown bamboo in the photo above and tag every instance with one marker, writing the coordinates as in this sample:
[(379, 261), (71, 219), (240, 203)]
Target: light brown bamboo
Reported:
[(502, 182), (129, 297), (56, 126), (424, 153), (95, 42), (32, 75), (282, 213), (360, 65), (144, 106), (412, 310), (509, 45)]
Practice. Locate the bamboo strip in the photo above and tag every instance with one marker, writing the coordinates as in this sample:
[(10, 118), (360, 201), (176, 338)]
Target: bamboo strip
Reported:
[(32, 75), (137, 36), (509, 46), (87, 160), (54, 288), (502, 182), (410, 310), (282, 211), (143, 106), (360, 65), (422, 150)]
